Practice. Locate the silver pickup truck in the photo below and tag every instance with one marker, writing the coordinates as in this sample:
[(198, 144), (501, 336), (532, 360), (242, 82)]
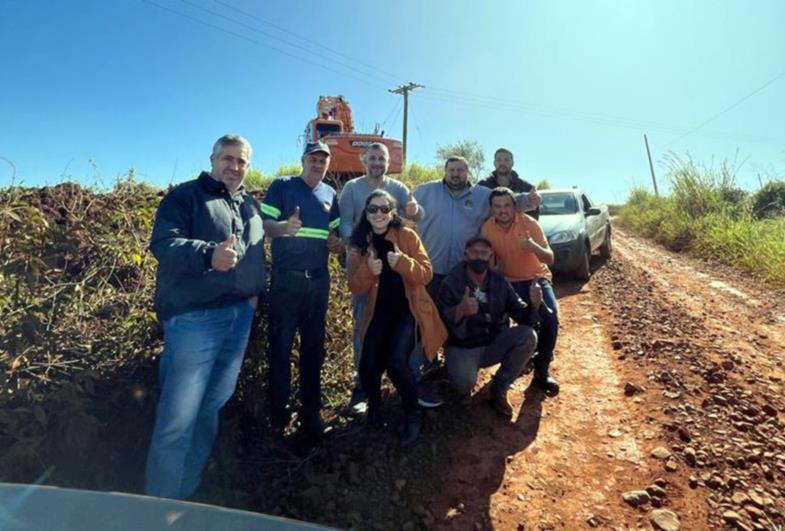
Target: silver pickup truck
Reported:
[(575, 228)]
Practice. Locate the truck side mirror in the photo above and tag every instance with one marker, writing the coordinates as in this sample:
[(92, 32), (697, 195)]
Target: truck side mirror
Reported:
[(594, 211)]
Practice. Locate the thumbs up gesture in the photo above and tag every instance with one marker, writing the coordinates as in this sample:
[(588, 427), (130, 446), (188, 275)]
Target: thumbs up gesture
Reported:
[(374, 264), (224, 255), (393, 256), (293, 224), (527, 244), (535, 199), (468, 305), (535, 294), (411, 207)]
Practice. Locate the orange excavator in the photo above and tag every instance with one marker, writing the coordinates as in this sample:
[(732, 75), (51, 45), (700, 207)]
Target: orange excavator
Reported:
[(334, 126)]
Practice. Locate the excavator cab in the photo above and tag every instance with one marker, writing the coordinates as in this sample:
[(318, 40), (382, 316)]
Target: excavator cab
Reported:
[(334, 126)]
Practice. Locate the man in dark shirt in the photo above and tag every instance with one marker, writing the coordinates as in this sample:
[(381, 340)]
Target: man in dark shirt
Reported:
[(207, 238), (475, 303), (301, 216), (505, 176)]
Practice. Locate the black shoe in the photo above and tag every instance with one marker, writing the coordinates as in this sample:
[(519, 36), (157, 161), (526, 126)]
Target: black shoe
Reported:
[(412, 429), (546, 382), (428, 397)]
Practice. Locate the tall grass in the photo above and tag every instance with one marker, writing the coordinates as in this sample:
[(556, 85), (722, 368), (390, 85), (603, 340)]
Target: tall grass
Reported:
[(708, 215)]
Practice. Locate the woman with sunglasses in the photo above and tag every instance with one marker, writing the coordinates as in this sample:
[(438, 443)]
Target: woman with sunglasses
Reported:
[(390, 264)]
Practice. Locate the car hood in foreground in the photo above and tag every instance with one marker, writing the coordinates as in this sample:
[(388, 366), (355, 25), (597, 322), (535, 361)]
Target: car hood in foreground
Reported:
[(552, 224)]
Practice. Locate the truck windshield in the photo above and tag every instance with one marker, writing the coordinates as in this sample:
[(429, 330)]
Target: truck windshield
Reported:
[(558, 203)]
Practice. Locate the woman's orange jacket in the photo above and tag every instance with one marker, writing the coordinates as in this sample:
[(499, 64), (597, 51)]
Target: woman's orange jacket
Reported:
[(414, 266)]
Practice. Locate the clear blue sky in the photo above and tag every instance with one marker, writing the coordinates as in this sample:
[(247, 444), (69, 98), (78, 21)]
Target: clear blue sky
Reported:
[(100, 86)]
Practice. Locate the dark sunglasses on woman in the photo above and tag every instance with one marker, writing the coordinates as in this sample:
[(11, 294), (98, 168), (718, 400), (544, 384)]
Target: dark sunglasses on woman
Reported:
[(373, 209)]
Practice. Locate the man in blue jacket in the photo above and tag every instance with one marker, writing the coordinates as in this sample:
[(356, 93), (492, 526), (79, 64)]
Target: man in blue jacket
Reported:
[(207, 238)]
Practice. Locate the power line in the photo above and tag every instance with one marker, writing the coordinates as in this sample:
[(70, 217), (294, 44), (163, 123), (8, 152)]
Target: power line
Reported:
[(259, 43), (305, 39), (417, 126), (404, 90), (288, 43), (395, 107), (729, 108), (599, 119), (474, 99)]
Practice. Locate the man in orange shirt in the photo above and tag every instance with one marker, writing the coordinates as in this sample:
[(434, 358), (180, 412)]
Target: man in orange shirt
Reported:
[(522, 256)]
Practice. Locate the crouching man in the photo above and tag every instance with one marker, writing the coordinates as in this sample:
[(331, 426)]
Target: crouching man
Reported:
[(475, 303), (208, 241)]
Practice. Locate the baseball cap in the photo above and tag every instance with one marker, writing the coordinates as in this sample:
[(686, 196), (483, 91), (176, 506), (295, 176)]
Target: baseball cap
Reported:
[(313, 147), (477, 239)]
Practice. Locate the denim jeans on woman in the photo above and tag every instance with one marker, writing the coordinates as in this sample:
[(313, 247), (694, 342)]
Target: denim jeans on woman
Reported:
[(203, 353)]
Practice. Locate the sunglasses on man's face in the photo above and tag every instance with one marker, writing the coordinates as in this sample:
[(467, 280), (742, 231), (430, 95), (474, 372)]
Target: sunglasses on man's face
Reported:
[(373, 209)]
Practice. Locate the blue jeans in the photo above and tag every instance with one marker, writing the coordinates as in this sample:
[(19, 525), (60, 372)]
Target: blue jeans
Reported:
[(549, 324), (203, 352), (298, 303)]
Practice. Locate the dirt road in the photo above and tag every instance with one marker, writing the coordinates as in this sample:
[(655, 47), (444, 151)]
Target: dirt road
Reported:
[(670, 417)]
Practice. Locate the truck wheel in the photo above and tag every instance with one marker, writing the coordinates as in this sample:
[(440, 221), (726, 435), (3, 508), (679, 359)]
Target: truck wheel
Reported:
[(607, 247), (583, 272)]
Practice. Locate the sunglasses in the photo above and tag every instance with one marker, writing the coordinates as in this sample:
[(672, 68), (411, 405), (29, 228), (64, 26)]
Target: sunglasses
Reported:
[(373, 209)]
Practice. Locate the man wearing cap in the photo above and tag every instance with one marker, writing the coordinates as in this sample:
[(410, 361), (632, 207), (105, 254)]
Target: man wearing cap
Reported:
[(522, 255), (475, 303), (301, 216), (352, 206), (504, 175), (207, 238)]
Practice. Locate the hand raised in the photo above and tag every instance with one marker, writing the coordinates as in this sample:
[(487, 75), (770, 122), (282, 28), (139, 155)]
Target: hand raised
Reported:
[(224, 255), (293, 224), (535, 199), (334, 243), (527, 244), (469, 304), (535, 294), (394, 256), (411, 207), (374, 264)]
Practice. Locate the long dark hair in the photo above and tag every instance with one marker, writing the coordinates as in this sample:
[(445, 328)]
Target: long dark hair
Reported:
[(363, 228)]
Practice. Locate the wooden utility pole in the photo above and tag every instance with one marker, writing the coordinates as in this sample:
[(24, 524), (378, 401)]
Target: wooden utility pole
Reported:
[(651, 166), (404, 89)]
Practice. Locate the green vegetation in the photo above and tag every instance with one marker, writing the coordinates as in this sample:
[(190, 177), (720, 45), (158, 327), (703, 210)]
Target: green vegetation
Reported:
[(79, 342), (471, 150), (417, 174), (708, 215)]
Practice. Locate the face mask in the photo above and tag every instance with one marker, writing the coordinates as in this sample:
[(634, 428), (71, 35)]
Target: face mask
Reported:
[(478, 265)]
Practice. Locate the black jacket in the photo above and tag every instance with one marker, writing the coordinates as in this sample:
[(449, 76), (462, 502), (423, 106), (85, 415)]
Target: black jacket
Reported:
[(192, 219), (517, 185), (480, 329)]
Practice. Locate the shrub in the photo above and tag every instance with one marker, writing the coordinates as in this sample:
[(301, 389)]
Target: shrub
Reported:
[(417, 174), (707, 214), (769, 201)]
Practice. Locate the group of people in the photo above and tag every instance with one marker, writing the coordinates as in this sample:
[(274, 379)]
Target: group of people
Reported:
[(474, 261)]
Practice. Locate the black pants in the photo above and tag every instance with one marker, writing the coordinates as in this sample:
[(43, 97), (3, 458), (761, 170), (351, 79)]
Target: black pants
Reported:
[(387, 345), (297, 304)]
